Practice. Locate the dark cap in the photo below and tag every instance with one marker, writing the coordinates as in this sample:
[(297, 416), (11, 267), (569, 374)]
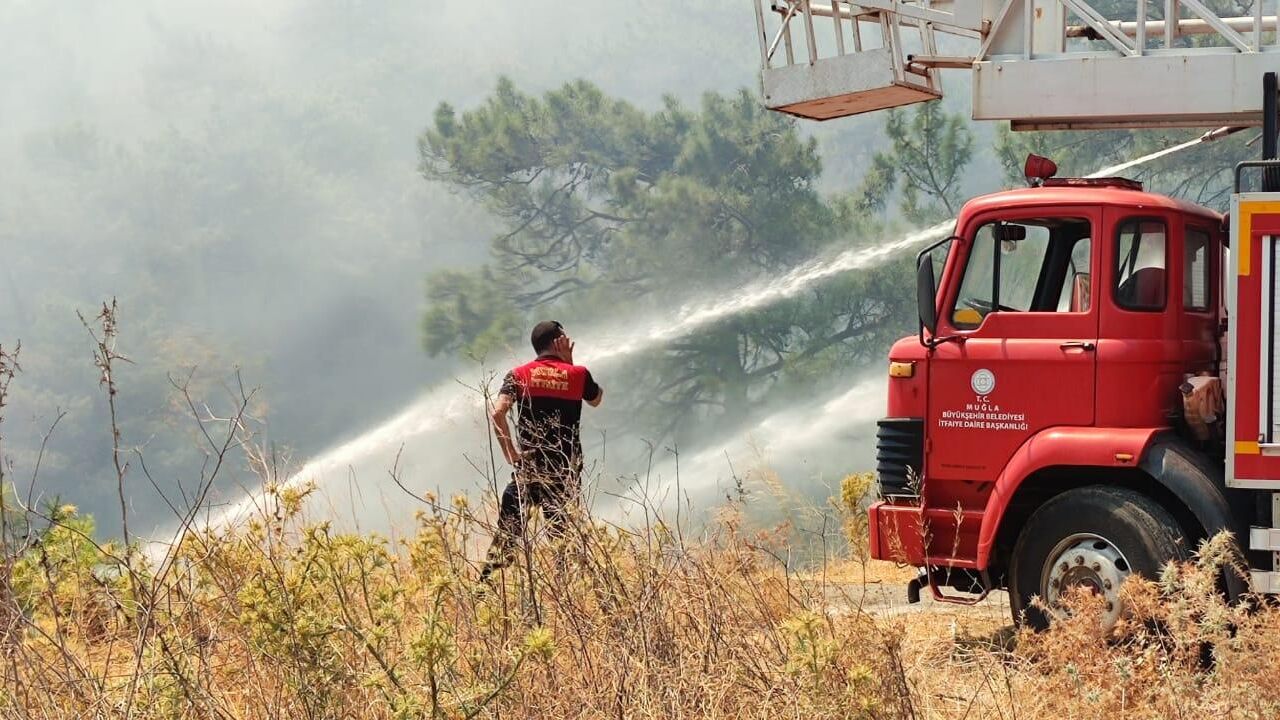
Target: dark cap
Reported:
[(544, 334)]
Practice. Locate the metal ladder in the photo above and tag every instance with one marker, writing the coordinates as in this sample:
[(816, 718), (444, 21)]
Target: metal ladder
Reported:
[(1040, 64)]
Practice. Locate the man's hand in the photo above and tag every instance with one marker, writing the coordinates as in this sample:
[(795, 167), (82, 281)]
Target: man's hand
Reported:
[(563, 346)]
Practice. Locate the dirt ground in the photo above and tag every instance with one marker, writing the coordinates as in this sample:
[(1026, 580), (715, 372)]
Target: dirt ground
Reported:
[(881, 590)]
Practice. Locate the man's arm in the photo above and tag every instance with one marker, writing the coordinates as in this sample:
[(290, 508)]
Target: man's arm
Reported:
[(592, 393), (502, 431)]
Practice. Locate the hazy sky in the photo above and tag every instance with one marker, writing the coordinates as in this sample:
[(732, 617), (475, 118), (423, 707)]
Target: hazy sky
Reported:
[(242, 175)]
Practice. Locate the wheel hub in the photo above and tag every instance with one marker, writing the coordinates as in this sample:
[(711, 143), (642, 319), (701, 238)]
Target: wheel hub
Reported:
[(1089, 561)]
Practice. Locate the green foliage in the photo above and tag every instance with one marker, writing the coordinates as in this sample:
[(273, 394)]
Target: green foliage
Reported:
[(929, 150), (58, 560), (855, 495), (607, 207), (468, 313), (597, 192)]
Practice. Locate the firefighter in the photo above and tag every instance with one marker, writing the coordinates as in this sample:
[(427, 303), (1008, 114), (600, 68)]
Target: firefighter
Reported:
[(548, 394)]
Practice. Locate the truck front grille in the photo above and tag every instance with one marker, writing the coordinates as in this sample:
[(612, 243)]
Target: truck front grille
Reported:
[(899, 455)]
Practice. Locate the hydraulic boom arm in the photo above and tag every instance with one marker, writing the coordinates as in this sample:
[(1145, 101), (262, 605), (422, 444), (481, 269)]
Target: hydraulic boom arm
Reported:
[(1040, 64)]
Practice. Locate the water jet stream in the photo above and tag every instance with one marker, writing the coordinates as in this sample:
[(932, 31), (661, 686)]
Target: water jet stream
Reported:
[(1117, 169), (448, 403), (693, 317)]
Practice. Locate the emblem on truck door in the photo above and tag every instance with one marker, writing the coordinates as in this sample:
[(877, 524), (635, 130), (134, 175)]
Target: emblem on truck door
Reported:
[(983, 381)]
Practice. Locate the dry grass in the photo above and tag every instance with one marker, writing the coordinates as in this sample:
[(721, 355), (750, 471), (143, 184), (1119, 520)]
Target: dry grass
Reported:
[(288, 619), (283, 617)]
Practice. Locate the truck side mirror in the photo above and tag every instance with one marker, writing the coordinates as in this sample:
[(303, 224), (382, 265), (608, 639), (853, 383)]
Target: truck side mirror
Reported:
[(1009, 233), (926, 295)]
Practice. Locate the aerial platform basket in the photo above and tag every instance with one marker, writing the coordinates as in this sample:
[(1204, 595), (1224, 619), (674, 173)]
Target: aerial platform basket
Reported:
[(1040, 64), (842, 86), (849, 59)]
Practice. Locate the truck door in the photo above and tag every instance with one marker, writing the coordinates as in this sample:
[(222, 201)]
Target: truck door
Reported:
[(1141, 349), (1022, 316)]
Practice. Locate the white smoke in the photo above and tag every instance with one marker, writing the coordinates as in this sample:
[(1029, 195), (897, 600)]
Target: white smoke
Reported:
[(442, 437)]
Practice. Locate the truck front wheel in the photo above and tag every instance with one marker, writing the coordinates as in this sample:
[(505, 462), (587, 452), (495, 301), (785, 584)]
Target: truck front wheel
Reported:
[(1093, 537)]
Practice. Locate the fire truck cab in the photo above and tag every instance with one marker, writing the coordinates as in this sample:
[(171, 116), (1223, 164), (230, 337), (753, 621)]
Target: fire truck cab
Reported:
[(1061, 418)]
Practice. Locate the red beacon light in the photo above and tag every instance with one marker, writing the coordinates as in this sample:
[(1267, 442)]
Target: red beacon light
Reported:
[(1040, 172), (1038, 169)]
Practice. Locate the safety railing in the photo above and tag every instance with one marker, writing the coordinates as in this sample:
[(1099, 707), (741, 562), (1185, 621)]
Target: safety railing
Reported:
[(832, 58), (1044, 28), (858, 57)]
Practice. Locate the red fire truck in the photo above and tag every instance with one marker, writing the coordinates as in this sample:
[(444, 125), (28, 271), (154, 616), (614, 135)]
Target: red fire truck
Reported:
[(1061, 419), (1092, 390)]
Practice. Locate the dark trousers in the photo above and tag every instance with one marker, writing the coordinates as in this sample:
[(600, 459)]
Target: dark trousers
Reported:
[(555, 492)]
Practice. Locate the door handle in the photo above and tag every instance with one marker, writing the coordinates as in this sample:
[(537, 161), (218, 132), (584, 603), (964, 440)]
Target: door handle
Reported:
[(1084, 345)]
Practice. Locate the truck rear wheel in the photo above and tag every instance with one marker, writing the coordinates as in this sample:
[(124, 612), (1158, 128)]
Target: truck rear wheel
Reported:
[(1095, 537)]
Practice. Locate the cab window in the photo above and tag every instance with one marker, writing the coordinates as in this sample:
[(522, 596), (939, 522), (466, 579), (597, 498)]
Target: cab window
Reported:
[(1039, 265), (1140, 278), (1074, 296), (1196, 276)]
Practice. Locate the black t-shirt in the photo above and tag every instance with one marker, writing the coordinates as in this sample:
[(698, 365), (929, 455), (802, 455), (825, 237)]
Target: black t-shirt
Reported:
[(548, 397)]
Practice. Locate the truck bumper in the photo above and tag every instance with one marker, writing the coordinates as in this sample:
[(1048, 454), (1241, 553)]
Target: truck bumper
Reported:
[(896, 533)]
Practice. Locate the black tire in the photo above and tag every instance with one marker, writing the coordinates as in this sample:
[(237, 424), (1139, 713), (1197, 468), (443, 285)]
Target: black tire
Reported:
[(1140, 529)]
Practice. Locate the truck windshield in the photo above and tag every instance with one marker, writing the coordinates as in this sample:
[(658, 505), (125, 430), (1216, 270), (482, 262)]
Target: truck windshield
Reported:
[(1039, 265)]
